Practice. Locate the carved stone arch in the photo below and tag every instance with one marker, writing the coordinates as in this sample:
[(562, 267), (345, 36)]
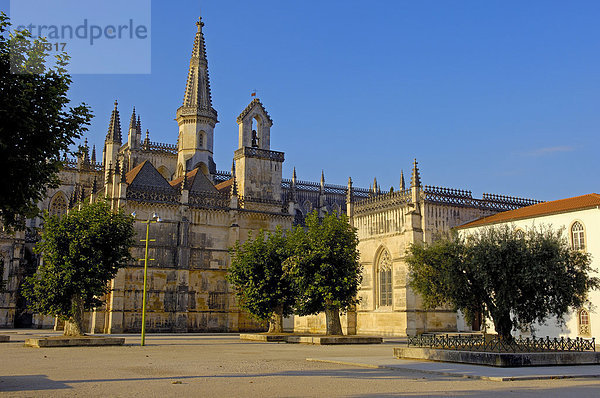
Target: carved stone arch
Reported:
[(58, 204), (383, 272), (203, 168), (308, 206), (165, 172), (255, 117)]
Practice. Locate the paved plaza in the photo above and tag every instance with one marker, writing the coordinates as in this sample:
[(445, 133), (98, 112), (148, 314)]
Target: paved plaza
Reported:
[(223, 366)]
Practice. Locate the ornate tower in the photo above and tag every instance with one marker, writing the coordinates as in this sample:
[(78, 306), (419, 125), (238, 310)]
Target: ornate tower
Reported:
[(196, 117), (112, 143), (258, 171)]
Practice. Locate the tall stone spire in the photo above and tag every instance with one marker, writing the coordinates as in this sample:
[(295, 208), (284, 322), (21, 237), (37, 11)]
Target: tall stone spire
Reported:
[(93, 154), (114, 126), (402, 183), (415, 179), (294, 177), (196, 117), (322, 187), (197, 90)]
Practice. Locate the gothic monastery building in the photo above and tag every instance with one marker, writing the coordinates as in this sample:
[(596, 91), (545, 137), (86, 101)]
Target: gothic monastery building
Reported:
[(204, 211)]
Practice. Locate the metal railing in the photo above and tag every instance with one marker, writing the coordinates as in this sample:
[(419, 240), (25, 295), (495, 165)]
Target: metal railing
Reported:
[(480, 343)]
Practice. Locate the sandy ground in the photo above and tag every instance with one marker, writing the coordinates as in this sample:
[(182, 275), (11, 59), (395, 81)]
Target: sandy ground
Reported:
[(224, 366)]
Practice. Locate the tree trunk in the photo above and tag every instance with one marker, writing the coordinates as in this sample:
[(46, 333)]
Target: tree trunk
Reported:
[(332, 318), (276, 321), (74, 326), (503, 326)]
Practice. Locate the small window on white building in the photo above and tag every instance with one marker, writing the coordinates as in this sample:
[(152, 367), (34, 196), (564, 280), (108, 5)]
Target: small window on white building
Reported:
[(583, 319), (577, 236)]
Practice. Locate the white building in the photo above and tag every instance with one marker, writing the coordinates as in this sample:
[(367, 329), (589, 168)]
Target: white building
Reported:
[(580, 218)]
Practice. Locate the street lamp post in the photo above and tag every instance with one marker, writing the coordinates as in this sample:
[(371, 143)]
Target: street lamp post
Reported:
[(154, 219)]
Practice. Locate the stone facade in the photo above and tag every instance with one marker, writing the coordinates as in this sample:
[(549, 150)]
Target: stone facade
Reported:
[(205, 211), (387, 223)]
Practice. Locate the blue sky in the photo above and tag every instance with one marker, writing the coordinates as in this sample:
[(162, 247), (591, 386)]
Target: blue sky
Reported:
[(494, 96)]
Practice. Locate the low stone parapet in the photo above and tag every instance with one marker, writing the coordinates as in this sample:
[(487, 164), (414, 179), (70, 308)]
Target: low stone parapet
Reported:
[(83, 341), (500, 359), (267, 338), (311, 339)]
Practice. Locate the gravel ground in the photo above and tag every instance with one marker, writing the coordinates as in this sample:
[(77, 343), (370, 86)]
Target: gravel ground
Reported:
[(224, 366)]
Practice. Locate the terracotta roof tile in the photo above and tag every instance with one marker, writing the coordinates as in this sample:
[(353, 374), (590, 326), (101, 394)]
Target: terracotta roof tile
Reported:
[(224, 186), (540, 209), (131, 174)]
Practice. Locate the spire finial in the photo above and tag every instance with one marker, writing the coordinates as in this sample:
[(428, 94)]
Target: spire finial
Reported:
[(402, 182), (114, 126), (93, 153), (139, 125), (294, 176), (147, 141), (133, 121), (375, 185), (415, 180)]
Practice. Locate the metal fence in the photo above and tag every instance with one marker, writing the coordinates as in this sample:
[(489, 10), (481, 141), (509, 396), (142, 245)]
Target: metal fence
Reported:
[(480, 343)]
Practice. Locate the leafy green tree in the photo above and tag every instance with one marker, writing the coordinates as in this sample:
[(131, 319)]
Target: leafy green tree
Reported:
[(262, 285), (81, 252), (37, 125), (513, 280), (325, 268)]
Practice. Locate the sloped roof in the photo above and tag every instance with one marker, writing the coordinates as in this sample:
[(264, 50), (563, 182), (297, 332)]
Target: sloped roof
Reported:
[(196, 182), (541, 209), (145, 174), (225, 186)]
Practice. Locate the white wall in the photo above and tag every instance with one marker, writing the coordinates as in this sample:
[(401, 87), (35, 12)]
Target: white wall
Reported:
[(590, 218)]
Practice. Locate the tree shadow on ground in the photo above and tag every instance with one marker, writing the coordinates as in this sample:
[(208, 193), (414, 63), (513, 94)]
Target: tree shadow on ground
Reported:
[(30, 383)]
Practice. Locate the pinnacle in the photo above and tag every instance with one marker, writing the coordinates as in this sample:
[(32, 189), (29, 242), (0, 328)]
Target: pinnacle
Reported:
[(114, 127), (415, 180)]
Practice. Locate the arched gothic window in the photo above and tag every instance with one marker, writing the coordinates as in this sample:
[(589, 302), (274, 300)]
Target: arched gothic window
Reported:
[(584, 323), (384, 276), (201, 139), (58, 205), (578, 236)]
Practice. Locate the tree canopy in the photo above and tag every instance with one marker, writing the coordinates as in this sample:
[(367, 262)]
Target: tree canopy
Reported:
[(514, 280), (37, 125), (262, 285), (325, 267), (81, 252)]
